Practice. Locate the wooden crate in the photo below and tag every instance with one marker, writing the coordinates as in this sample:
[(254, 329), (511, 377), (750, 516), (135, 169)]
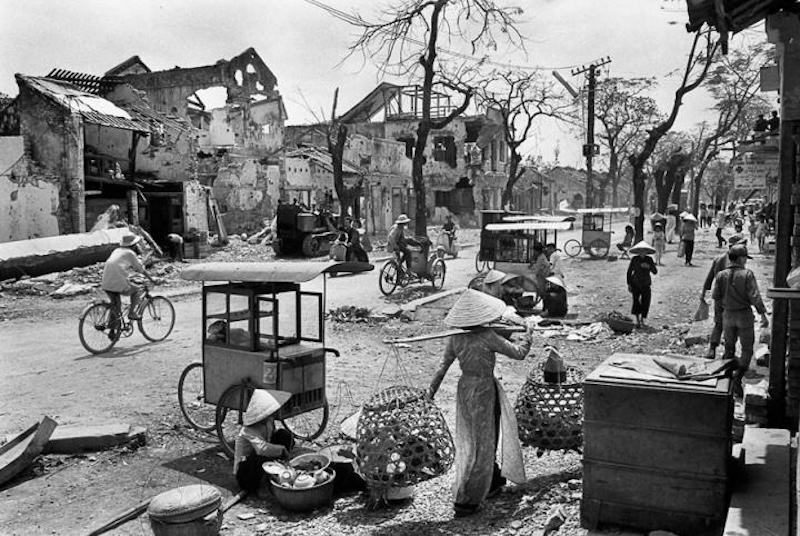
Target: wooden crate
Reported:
[(656, 454)]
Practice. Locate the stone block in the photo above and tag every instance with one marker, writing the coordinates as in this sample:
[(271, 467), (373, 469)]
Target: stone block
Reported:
[(75, 439), (698, 332)]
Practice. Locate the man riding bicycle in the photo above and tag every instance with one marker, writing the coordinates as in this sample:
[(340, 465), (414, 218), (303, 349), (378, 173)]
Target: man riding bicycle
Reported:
[(397, 242), (450, 228), (121, 264)]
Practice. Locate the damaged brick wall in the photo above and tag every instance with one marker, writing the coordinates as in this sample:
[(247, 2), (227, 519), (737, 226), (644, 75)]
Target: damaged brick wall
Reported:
[(246, 192), (28, 202), (54, 145)]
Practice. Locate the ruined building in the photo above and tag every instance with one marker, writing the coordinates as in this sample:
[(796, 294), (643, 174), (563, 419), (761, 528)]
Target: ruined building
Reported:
[(465, 168), (74, 143)]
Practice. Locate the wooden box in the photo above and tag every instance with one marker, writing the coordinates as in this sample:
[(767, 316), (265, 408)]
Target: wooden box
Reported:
[(656, 451)]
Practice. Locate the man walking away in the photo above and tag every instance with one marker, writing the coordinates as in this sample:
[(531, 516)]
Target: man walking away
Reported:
[(737, 288), (719, 264), (687, 236), (721, 217)]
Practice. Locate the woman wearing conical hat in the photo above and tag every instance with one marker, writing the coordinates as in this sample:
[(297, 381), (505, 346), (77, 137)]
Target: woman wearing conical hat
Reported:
[(258, 440), (485, 421), (639, 280)]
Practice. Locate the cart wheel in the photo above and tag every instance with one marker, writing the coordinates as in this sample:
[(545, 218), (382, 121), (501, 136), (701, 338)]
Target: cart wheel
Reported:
[(94, 328), (480, 266), (308, 425), (572, 248), (598, 248), (476, 283), (438, 272), (230, 409), (191, 398), (311, 246), (389, 277), (158, 319)]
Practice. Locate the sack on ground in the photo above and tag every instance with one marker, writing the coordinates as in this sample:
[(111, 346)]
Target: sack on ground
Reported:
[(681, 249), (702, 312)]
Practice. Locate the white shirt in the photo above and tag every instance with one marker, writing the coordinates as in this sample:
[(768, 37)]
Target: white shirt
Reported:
[(120, 265)]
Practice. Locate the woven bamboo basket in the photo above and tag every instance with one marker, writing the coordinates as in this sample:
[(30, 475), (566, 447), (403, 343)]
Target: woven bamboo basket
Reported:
[(550, 415), (402, 439)]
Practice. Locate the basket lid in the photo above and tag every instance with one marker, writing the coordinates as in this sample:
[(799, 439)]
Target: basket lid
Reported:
[(184, 504)]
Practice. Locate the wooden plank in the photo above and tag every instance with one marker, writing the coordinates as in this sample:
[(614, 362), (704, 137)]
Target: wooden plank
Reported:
[(17, 454), (74, 439)]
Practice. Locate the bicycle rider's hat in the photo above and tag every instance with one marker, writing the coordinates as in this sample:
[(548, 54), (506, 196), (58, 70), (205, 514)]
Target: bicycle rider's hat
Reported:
[(494, 276), (474, 308), (402, 219), (737, 252), (129, 240), (263, 404)]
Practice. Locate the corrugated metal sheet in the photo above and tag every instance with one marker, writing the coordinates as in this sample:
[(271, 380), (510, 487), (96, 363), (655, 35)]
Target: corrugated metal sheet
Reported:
[(95, 110)]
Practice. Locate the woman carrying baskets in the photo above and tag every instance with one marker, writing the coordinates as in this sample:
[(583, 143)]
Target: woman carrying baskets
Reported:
[(485, 421)]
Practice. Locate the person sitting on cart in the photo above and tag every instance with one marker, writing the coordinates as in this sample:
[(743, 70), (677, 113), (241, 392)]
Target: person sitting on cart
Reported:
[(554, 299), (258, 440), (540, 268), (398, 243), (450, 228), (354, 248)]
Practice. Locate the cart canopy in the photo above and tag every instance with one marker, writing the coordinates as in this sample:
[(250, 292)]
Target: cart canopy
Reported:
[(269, 272), (599, 210), (530, 226), (543, 218)]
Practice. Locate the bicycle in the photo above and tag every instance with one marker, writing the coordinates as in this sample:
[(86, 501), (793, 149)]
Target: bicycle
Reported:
[(100, 327)]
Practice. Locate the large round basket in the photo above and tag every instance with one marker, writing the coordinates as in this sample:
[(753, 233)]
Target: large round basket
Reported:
[(402, 439), (307, 499), (550, 415), (187, 511)]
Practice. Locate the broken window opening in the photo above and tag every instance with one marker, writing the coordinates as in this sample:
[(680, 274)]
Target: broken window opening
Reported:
[(459, 200), (493, 155), (239, 77), (501, 149), (209, 98), (444, 150), (409, 141), (259, 86), (250, 69), (473, 131), (266, 129)]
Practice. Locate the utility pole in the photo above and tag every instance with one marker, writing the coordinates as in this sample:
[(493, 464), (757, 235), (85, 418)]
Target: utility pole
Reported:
[(590, 149)]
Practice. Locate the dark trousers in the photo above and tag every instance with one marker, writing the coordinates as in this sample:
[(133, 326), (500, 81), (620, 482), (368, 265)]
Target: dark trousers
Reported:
[(641, 300), (250, 470), (720, 240), (688, 250), (739, 325)]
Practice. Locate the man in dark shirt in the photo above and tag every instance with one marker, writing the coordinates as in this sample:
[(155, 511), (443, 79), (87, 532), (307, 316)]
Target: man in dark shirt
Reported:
[(737, 288), (719, 264), (774, 122)]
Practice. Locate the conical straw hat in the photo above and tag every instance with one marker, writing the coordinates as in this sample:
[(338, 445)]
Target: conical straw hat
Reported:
[(642, 248), (474, 308), (554, 279), (494, 276), (263, 404)]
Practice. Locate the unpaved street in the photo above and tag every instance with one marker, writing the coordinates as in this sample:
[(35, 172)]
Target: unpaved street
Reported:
[(47, 372)]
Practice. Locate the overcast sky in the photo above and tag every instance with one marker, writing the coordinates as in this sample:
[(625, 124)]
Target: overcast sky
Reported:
[(305, 46)]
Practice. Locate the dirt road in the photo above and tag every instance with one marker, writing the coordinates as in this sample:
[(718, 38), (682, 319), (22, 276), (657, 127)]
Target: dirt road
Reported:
[(47, 372)]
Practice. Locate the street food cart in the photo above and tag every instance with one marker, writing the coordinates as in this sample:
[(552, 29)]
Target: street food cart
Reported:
[(596, 232), (262, 329)]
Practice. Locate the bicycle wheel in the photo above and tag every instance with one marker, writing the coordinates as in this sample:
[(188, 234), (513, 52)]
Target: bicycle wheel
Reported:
[(388, 278), (95, 328), (572, 248), (438, 272), (308, 425), (598, 248), (191, 398), (228, 417), (158, 319)]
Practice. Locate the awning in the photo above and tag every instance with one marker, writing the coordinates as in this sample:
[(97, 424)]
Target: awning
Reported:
[(269, 272), (530, 226), (601, 210), (548, 219)]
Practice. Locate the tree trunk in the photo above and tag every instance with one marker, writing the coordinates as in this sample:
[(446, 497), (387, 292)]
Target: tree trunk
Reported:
[(513, 176), (418, 180), (638, 202)]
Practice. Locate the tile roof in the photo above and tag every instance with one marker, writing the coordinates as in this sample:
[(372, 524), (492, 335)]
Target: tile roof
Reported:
[(96, 85), (95, 110)]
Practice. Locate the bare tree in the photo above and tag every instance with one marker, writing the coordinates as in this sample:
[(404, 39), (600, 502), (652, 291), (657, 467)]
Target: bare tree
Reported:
[(735, 86), (701, 56), (408, 38), (336, 137), (625, 112), (520, 98)]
